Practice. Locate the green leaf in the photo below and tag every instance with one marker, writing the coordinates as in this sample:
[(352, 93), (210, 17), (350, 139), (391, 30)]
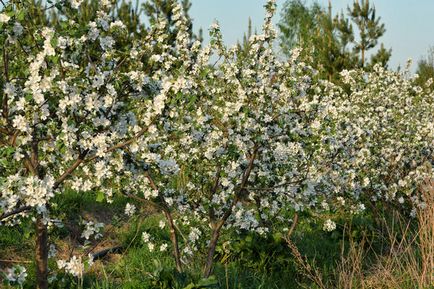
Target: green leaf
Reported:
[(100, 197), (203, 283), (3, 162), (10, 13), (59, 6), (277, 237), (208, 282), (21, 15), (54, 41), (26, 232)]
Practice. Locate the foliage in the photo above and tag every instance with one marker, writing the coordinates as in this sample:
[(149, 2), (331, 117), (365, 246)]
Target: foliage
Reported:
[(425, 69), (222, 142), (330, 42)]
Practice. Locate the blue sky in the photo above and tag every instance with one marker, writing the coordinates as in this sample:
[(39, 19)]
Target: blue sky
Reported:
[(409, 24)]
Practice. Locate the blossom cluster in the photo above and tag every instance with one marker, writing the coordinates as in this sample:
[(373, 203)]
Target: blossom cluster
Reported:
[(92, 229), (16, 275), (148, 240), (215, 137), (75, 265)]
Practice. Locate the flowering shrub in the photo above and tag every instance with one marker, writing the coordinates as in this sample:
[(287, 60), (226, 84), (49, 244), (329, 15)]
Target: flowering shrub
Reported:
[(67, 96), (387, 134), (16, 275), (253, 141), (216, 138)]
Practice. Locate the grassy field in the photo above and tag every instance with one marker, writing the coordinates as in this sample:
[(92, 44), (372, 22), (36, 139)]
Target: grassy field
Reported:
[(360, 253)]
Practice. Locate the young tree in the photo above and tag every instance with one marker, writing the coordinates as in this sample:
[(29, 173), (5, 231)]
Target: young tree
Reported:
[(425, 69), (388, 138), (251, 143), (329, 42), (69, 97), (370, 30)]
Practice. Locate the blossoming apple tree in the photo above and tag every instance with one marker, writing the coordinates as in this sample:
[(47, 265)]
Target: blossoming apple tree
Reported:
[(241, 143), (214, 137), (386, 125), (66, 108), (257, 137)]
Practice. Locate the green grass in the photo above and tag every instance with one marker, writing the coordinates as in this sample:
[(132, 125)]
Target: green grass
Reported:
[(253, 261)]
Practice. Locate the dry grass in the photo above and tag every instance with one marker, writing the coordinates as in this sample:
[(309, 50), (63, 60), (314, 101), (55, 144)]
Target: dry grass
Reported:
[(409, 262), (309, 270), (350, 267), (426, 236)]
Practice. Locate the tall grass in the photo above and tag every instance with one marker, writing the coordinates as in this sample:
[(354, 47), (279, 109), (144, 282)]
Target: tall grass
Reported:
[(408, 262)]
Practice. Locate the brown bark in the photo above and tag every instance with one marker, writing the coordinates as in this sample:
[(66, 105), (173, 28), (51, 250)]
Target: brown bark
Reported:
[(217, 226), (41, 257), (172, 228), (71, 169), (293, 226), (14, 212), (174, 240), (5, 111), (211, 249)]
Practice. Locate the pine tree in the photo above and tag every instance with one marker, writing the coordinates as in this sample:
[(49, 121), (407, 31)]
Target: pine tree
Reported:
[(298, 25), (381, 57), (329, 41), (130, 15), (244, 47), (370, 30), (425, 68)]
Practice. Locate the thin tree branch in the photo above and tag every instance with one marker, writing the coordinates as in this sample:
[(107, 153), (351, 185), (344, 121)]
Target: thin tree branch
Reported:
[(16, 261), (219, 225), (14, 212), (274, 187), (5, 111), (142, 200), (4, 131), (120, 145), (293, 225), (71, 169)]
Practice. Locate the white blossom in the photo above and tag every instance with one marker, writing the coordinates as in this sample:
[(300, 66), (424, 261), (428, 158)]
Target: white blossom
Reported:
[(92, 229), (76, 3), (4, 18), (163, 247), (329, 225), (73, 266), (16, 274), (130, 209)]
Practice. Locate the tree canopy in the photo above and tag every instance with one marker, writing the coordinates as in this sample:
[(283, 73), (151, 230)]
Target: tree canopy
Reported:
[(333, 42)]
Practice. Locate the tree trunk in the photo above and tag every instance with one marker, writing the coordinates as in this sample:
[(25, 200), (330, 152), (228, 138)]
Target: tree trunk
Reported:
[(217, 226), (168, 215), (211, 250), (41, 254), (174, 240)]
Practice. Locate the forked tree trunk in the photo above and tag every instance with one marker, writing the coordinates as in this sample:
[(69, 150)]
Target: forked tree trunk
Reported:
[(211, 249), (174, 240), (218, 225), (41, 256), (169, 218)]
